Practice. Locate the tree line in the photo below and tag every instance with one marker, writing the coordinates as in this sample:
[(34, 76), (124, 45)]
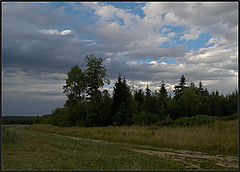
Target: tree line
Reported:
[(18, 119), (87, 105)]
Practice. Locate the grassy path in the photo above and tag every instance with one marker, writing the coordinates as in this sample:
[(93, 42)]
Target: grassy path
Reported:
[(35, 148), (191, 159)]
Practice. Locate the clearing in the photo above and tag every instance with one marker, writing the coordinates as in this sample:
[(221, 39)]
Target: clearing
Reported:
[(41, 147)]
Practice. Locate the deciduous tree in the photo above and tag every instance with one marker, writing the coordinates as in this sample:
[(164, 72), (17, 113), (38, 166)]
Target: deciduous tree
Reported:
[(75, 86)]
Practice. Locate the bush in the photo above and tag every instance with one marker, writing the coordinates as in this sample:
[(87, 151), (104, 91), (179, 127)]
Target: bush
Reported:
[(81, 124), (193, 121), (229, 117), (145, 118), (164, 123)]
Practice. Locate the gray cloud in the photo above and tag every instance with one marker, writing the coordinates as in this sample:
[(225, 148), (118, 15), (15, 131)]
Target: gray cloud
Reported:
[(23, 104), (217, 17), (35, 63)]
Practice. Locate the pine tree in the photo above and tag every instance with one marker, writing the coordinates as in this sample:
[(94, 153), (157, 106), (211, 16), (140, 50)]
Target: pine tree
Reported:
[(200, 88), (162, 100), (162, 90), (180, 87), (139, 95), (182, 81), (139, 100), (121, 107), (148, 91)]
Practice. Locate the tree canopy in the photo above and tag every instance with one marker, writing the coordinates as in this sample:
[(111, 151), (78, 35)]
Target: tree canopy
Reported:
[(88, 105), (75, 86)]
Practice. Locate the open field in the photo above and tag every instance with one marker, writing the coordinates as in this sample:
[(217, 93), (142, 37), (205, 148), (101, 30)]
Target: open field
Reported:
[(127, 147)]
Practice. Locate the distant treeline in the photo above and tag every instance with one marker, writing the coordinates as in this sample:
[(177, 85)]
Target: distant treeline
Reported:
[(18, 119), (86, 105)]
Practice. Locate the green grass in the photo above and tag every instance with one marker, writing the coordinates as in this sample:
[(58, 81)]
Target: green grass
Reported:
[(9, 136), (218, 138), (38, 151), (33, 147)]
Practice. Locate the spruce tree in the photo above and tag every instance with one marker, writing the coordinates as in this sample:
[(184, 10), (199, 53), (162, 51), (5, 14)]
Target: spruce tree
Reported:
[(180, 87), (148, 91), (121, 107), (162, 90), (162, 101), (182, 81)]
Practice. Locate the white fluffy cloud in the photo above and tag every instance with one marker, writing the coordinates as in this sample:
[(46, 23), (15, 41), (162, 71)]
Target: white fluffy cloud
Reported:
[(171, 34), (192, 34), (219, 54), (56, 32), (220, 18)]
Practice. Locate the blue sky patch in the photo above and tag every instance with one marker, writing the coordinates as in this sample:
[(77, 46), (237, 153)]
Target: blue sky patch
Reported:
[(201, 42), (133, 8)]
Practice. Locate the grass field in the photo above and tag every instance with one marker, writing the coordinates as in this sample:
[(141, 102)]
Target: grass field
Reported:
[(44, 147)]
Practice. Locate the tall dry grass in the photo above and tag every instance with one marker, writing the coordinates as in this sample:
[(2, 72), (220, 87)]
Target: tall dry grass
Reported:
[(219, 138)]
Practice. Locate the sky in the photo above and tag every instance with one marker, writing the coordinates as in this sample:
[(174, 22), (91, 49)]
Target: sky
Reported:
[(146, 41)]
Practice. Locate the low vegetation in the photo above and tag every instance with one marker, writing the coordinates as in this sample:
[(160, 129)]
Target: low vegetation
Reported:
[(9, 136), (229, 117), (43, 151), (219, 137), (45, 147), (18, 119), (198, 120)]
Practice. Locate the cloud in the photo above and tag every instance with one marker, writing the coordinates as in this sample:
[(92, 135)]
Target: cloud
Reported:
[(165, 30), (56, 32), (43, 85), (156, 71), (193, 34), (41, 42), (211, 16), (170, 18), (171, 34), (222, 55), (16, 105)]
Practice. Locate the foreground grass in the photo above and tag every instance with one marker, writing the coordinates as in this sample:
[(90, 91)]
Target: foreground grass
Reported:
[(44, 147), (218, 138), (38, 151)]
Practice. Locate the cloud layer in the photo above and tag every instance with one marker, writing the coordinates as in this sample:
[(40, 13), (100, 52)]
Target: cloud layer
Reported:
[(147, 42)]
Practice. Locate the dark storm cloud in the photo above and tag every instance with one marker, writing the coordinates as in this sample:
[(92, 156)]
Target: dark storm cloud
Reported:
[(26, 47), (36, 14), (44, 52)]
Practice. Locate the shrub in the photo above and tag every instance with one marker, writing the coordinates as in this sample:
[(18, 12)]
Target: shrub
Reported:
[(145, 118), (193, 121), (229, 117), (81, 124), (164, 123)]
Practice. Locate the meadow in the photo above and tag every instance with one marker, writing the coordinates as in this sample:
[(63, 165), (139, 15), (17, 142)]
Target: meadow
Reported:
[(44, 147)]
